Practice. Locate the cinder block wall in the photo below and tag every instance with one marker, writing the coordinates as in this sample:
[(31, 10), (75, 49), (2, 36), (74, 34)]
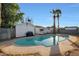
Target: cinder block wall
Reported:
[(6, 33)]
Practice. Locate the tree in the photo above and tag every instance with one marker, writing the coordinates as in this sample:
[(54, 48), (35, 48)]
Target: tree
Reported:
[(54, 30), (54, 17), (58, 12), (10, 14), (0, 14)]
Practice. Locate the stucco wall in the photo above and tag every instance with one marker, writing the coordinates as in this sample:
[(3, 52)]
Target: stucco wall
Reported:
[(21, 29), (5, 34), (48, 30), (45, 30), (38, 30)]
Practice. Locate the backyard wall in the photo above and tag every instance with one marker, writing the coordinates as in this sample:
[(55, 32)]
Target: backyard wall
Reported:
[(6, 33), (37, 30), (48, 30), (44, 31), (22, 29), (69, 31)]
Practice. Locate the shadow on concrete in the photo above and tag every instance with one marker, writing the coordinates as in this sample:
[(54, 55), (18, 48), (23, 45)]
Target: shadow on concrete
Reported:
[(75, 44), (55, 50)]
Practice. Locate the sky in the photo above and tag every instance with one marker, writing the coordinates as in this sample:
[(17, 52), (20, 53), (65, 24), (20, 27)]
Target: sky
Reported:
[(40, 13)]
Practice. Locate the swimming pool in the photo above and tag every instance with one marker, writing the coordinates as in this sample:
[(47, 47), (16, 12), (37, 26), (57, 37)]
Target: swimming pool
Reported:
[(45, 40)]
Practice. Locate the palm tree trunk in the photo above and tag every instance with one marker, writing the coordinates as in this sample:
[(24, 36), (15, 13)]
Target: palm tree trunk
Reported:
[(58, 24), (0, 14), (54, 30)]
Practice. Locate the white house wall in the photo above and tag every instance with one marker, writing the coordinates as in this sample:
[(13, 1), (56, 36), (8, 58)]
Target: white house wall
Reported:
[(37, 30), (30, 27), (21, 29), (46, 30), (51, 30)]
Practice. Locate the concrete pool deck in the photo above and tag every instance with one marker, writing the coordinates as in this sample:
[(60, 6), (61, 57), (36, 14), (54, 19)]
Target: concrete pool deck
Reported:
[(10, 49)]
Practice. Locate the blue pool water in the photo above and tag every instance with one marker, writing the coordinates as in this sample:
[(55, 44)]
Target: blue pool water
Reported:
[(47, 40)]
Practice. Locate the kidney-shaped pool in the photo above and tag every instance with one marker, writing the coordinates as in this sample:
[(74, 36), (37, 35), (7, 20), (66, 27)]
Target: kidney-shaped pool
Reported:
[(45, 40)]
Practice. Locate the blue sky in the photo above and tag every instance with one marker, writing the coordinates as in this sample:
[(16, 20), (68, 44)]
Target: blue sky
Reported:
[(40, 13)]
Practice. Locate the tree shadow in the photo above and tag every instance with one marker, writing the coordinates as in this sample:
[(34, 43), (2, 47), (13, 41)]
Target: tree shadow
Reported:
[(55, 50)]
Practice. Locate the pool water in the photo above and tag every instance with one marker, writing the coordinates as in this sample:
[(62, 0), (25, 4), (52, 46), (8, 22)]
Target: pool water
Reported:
[(47, 40)]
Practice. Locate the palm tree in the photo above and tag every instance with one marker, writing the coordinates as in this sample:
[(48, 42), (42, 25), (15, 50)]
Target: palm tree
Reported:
[(54, 16), (54, 30), (58, 12), (0, 14)]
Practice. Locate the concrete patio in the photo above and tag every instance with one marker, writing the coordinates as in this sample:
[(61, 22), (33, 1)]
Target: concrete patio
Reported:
[(9, 48)]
